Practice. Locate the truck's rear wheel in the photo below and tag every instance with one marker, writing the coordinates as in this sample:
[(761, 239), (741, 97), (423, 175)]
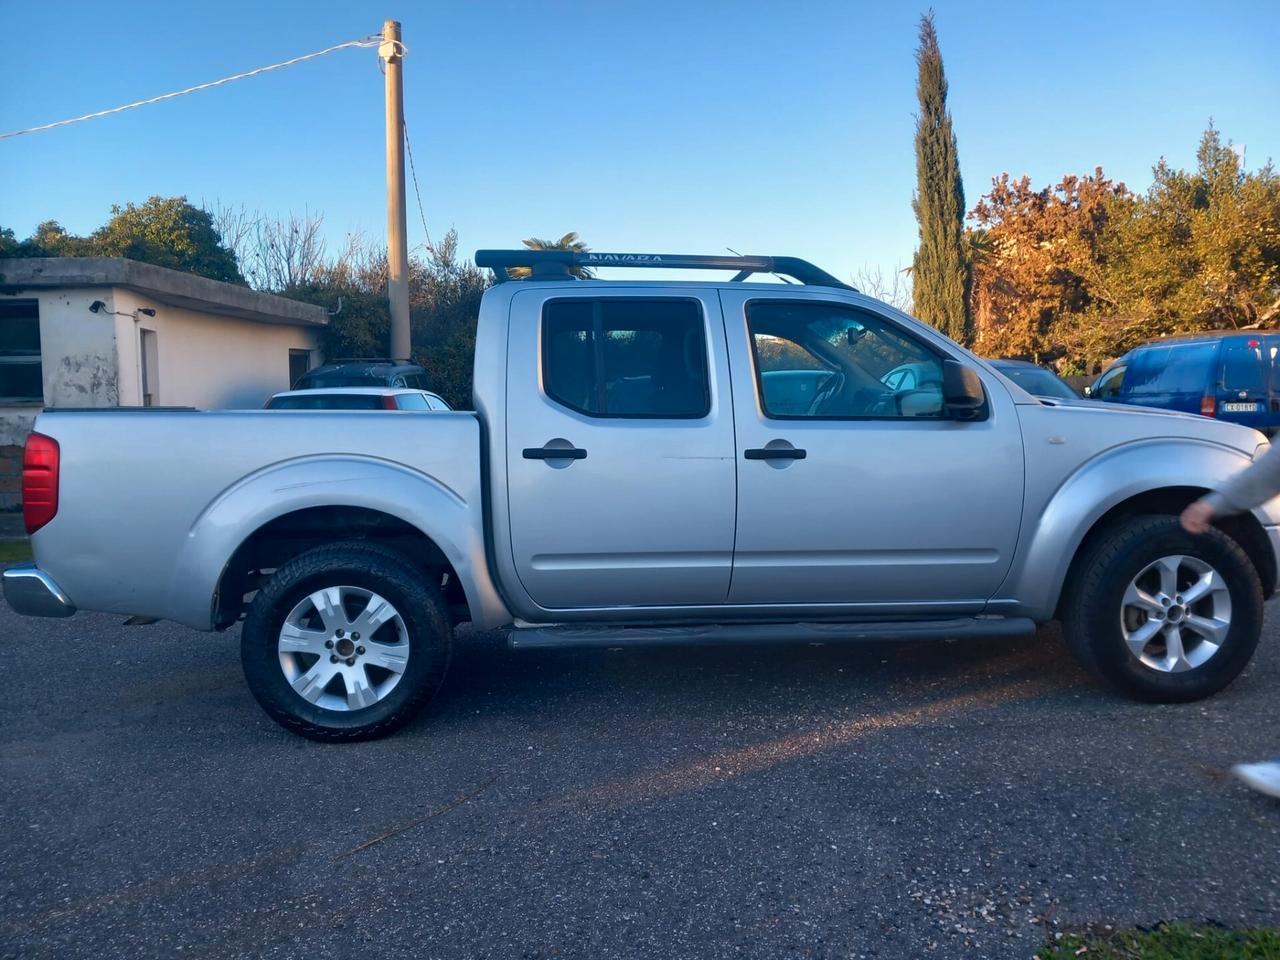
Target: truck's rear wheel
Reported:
[(345, 642), (1163, 615)]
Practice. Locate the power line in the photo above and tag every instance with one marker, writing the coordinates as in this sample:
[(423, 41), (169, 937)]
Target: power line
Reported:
[(373, 40), (413, 170)]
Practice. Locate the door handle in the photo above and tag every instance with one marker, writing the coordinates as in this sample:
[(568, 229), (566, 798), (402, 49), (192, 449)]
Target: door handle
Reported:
[(554, 453), (775, 453)]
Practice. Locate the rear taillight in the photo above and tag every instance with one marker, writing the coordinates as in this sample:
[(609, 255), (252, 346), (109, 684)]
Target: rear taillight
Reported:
[(1208, 406), (39, 481), (389, 402)]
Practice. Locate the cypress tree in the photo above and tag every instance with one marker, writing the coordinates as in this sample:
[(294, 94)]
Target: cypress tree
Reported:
[(940, 274)]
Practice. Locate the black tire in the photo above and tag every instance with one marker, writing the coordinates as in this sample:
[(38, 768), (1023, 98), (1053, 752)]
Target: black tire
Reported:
[(365, 566), (1093, 604)]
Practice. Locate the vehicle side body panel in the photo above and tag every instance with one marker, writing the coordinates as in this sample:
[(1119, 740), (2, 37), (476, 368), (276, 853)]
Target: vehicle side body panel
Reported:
[(149, 519), (890, 516), (1084, 460), (647, 516)]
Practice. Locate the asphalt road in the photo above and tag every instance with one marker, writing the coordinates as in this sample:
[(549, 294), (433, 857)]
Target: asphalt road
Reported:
[(886, 801)]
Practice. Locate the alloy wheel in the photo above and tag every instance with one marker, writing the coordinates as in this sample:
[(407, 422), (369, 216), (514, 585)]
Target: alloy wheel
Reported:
[(343, 648), (1176, 614)]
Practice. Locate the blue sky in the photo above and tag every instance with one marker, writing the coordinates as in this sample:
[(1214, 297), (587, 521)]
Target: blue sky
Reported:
[(657, 126)]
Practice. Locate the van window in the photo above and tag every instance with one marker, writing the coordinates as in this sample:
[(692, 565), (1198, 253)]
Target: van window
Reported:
[(1109, 385), (1176, 368), (1242, 365)]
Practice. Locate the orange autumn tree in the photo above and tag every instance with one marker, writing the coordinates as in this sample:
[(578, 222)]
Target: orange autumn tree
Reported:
[(1038, 257)]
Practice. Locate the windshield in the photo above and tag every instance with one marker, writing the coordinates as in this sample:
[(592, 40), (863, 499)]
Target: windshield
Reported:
[(1038, 382)]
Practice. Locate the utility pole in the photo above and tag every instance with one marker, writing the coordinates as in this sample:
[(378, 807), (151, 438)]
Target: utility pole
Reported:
[(397, 248)]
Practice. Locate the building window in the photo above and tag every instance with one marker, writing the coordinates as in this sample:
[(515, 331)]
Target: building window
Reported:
[(299, 364), (21, 376)]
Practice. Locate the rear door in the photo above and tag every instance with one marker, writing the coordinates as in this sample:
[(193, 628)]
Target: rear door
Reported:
[(871, 496), (620, 448), (1244, 381)]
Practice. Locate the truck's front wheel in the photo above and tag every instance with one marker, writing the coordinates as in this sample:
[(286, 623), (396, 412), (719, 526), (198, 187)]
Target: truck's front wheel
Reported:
[(345, 642), (1164, 615)]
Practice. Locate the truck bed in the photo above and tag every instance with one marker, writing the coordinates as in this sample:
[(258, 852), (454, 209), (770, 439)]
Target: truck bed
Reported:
[(147, 497)]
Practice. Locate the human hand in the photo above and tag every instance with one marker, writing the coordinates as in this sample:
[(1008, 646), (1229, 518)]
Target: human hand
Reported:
[(1195, 519)]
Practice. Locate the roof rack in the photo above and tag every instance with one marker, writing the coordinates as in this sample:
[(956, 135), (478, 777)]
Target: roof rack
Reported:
[(556, 264)]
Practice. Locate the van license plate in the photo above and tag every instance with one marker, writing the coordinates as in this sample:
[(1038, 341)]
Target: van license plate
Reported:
[(1239, 408)]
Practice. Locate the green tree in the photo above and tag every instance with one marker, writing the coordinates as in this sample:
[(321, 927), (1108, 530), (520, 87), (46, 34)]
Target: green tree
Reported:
[(169, 232), (166, 231), (1202, 249), (940, 274), (570, 241), (444, 304)]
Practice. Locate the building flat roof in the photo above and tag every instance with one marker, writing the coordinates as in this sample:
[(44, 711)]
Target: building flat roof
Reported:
[(174, 287)]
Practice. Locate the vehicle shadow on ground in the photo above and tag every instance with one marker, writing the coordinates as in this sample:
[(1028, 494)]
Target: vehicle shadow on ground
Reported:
[(488, 677)]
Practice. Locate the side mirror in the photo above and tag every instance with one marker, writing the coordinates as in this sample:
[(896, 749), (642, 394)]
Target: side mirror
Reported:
[(962, 391)]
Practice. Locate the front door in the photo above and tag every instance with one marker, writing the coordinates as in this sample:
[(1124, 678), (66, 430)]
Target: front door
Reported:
[(620, 448), (870, 494)]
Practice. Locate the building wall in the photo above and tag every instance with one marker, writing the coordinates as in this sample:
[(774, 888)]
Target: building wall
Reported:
[(78, 358), (206, 360), (94, 360), (78, 369)]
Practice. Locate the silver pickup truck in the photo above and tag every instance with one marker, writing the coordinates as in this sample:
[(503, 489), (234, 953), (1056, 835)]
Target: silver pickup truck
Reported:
[(656, 462)]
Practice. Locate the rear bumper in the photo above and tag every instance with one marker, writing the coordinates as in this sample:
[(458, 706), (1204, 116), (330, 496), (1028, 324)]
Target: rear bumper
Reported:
[(31, 592)]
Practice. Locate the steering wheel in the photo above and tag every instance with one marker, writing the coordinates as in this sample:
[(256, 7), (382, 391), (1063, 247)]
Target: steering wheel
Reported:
[(830, 390)]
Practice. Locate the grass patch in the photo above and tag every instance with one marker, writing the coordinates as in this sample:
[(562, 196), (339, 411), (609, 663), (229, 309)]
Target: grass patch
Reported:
[(15, 551), (1169, 941)]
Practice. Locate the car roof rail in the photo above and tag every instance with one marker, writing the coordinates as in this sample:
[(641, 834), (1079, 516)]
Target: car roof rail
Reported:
[(558, 264)]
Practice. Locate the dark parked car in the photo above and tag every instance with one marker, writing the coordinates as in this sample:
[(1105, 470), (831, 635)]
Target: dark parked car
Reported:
[(1036, 380), (364, 373), (1231, 376)]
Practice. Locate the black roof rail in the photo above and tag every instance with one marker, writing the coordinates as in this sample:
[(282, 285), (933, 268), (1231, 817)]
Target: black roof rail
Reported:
[(556, 264)]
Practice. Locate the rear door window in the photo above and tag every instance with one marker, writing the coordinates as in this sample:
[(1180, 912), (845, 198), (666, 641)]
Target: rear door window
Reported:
[(1244, 369), (626, 358)]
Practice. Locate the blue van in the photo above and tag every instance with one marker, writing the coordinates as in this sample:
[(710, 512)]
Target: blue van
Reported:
[(1231, 376)]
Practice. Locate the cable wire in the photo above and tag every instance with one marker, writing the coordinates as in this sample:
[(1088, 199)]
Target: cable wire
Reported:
[(373, 40), (413, 171)]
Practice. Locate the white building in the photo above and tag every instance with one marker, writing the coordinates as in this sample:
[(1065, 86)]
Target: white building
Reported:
[(105, 332)]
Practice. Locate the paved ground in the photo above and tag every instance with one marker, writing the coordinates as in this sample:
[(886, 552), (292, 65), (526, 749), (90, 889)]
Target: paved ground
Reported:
[(882, 801)]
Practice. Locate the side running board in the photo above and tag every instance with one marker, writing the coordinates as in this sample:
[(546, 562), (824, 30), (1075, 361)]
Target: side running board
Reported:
[(616, 635)]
